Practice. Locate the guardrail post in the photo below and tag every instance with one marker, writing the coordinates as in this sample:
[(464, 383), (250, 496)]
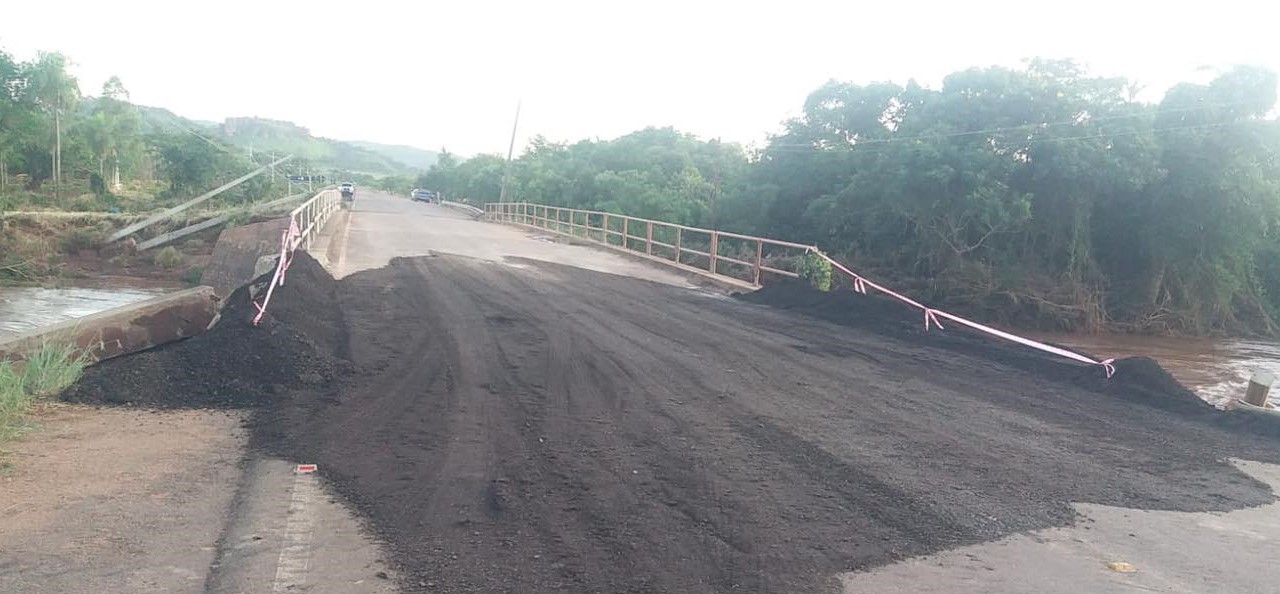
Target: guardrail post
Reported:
[(605, 234), (626, 233), (678, 234), (759, 261), (648, 235), (715, 244)]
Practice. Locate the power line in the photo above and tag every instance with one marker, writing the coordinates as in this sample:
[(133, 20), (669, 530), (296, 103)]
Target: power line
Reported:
[(179, 125)]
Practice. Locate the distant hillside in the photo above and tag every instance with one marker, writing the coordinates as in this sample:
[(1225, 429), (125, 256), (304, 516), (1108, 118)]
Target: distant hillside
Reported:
[(287, 137), (280, 137), (159, 119), (408, 155)]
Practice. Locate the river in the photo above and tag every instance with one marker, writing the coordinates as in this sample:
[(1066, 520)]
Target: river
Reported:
[(1216, 369), (23, 309)]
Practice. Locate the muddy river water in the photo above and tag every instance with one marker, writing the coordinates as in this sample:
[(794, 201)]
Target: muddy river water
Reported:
[(23, 309), (1216, 369)]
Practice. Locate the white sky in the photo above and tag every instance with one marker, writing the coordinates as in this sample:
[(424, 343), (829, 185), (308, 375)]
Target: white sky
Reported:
[(432, 73)]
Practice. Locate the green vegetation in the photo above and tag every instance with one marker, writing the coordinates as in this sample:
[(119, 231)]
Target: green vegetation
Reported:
[(193, 275), (42, 374), (61, 150), (408, 156), (817, 271), (1040, 196), (168, 258), (323, 156)]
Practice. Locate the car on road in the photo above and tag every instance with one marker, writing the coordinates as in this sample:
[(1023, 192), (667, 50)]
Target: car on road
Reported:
[(419, 195), (348, 191)]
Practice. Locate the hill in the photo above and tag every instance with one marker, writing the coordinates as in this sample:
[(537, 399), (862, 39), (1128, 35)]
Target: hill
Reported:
[(281, 137), (286, 137), (407, 155)]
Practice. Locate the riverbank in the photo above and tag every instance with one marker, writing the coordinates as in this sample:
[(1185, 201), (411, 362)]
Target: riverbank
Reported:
[(52, 249)]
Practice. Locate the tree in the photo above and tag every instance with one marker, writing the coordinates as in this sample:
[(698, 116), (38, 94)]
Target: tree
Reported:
[(113, 127), (193, 164), (54, 91)]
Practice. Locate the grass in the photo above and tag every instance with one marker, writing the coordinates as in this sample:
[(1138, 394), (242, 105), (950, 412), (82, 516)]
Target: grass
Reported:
[(43, 374)]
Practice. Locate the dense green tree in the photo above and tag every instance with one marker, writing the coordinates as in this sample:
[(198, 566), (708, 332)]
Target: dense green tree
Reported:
[(193, 164), (50, 87), (1038, 195)]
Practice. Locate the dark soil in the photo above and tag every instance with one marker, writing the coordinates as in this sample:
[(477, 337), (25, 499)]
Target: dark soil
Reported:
[(552, 429), (235, 365), (1140, 380)]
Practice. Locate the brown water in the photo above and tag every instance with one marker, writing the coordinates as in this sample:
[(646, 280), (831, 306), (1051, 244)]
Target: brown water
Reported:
[(1216, 369), (23, 309)]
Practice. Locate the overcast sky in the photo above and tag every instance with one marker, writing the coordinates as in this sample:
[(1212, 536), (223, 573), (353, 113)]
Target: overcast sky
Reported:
[(433, 74)]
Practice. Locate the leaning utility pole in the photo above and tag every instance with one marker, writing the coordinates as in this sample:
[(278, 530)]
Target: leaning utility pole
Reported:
[(57, 149), (511, 149)]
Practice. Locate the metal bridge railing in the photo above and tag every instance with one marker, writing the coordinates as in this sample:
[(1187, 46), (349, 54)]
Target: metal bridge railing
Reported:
[(305, 223), (310, 217), (740, 257)]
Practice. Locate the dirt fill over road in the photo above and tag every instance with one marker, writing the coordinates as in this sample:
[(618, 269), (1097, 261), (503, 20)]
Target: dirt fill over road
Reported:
[(236, 364), (528, 427)]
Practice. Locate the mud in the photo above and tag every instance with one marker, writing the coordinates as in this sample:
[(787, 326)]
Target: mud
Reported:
[(543, 428)]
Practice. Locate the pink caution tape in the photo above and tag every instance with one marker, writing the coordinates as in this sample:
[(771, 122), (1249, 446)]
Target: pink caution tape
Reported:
[(860, 284), (289, 241)]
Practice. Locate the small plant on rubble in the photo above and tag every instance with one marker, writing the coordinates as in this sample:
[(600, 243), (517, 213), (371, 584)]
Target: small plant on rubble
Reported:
[(817, 270)]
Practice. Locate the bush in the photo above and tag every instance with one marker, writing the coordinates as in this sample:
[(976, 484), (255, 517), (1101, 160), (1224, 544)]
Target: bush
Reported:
[(168, 258), (83, 238), (816, 270), (193, 275), (84, 203)]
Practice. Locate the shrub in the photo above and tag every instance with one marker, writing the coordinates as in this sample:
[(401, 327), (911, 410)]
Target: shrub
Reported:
[(193, 275), (816, 270), (83, 238), (168, 258)]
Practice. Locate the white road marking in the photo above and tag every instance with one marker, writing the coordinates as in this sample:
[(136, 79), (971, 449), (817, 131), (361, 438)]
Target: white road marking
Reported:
[(295, 546)]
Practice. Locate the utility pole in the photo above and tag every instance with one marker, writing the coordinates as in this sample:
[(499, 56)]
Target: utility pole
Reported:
[(715, 191), (511, 149), (57, 148)]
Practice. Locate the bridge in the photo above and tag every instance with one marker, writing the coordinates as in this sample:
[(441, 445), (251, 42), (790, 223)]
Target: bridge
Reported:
[(517, 412)]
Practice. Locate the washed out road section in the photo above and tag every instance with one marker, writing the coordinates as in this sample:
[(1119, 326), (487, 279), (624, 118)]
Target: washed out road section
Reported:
[(522, 426)]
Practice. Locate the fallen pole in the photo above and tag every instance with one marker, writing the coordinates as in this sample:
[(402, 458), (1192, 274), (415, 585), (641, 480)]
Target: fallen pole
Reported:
[(169, 212), (201, 226)]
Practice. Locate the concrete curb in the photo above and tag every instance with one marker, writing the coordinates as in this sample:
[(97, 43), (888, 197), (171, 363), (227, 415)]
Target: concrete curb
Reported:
[(126, 329)]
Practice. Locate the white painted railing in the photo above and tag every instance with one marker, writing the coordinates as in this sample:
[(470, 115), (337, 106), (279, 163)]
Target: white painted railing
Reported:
[(311, 216)]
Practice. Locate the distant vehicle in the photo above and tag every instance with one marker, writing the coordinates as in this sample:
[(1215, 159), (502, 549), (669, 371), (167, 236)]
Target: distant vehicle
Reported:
[(418, 195), (348, 193)]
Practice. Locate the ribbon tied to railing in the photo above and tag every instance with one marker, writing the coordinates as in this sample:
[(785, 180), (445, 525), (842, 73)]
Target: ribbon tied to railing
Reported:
[(289, 240), (860, 284)]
